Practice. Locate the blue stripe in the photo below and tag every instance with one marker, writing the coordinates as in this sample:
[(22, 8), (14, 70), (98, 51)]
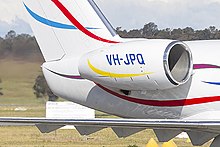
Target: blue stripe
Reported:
[(51, 23), (212, 83)]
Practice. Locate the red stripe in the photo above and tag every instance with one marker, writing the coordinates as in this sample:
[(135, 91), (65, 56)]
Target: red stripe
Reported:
[(159, 103), (78, 25), (165, 103)]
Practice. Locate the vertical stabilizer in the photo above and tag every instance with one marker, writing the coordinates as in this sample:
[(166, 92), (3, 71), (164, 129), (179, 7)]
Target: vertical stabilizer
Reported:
[(69, 28)]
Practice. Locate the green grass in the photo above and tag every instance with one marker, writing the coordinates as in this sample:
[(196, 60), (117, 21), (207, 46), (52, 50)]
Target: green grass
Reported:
[(30, 136), (18, 79)]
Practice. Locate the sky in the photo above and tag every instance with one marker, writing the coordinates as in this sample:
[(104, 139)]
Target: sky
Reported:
[(130, 14)]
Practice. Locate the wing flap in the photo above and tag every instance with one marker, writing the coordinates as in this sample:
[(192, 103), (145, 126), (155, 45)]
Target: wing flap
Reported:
[(164, 135), (48, 128), (199, 138), (87, 130), (125, 132)]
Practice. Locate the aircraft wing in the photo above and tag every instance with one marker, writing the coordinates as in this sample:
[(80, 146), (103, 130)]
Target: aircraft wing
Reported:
[(199, 131)]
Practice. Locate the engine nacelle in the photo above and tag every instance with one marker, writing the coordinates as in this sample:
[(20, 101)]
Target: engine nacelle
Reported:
[(139, 65)]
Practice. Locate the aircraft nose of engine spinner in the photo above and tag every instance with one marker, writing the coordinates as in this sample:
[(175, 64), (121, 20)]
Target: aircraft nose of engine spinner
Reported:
[(140, 65)]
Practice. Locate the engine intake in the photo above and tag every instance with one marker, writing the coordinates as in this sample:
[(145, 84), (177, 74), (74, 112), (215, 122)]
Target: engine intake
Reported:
[(178, 63)]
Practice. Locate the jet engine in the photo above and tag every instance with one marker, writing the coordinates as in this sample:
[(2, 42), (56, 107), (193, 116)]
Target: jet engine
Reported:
[(139, 65)]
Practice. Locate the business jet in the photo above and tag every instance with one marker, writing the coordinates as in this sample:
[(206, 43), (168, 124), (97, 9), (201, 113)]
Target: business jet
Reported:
[(166, 85)]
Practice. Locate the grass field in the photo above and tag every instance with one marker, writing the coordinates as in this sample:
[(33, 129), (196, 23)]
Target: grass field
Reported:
[(30, 136), (18, 79)]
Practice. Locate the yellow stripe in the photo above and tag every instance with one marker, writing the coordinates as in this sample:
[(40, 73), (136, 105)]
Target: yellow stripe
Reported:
[(115, 75)]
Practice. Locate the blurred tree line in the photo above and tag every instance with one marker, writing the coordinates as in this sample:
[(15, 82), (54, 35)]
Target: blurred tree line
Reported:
[(19, 47), (24, 47), (151, 31)]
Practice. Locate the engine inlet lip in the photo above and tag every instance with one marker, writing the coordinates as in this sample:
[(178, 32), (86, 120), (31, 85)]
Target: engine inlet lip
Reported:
[(166, 63)]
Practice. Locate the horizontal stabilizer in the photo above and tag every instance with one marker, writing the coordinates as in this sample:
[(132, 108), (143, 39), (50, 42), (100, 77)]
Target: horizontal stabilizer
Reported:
[(125, 132), (48, 128), (164, 135), (199, 138), (216, 142), (200, 131), (87, 130)]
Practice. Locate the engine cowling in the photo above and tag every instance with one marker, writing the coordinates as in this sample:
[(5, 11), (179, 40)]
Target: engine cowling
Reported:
[(139, 65)]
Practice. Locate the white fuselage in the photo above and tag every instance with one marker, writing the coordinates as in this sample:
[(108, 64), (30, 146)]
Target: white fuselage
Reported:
[(199, 96)]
